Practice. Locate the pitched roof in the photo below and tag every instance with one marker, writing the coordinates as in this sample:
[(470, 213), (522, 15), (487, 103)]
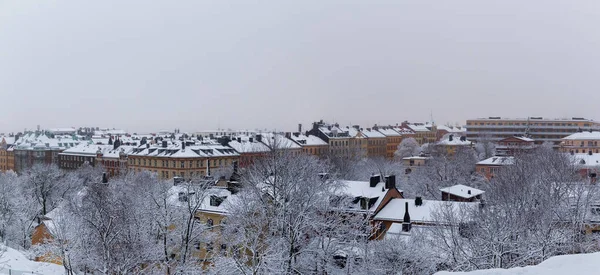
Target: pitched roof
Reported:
[(394, 210), (583, 136), (462, 191), (498, 160)]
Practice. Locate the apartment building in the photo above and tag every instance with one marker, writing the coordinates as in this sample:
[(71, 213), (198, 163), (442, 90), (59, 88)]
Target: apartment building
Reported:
[(581, 142), (7, 156), (337, 139), (183, 159), (393, 139), (538, 128), (37, 148), (311, 145), (376, 143)]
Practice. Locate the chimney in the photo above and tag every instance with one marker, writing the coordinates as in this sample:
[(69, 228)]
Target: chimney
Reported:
[(450, 138), (463, 138), (469, 192), (164, 144), (104, 178), (590, 152), (418, 201), (374, 180), (390, 182), (300, 128), (183, 145), (239, 140), (288, 135), (259, 138), (250, 139), (406, 221)]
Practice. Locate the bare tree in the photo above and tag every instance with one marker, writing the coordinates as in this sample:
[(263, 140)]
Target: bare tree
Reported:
[(408, 147)]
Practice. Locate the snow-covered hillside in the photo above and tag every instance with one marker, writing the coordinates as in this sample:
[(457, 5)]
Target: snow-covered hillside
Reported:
[(14, 262), (580, 264)]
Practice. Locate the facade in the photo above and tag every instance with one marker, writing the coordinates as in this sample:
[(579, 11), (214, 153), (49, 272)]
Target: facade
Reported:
[(581, 142), (113, 158), (182, 159), (491, 166), (538, 128), (514, 145), (37, 148), (376, 143), (423, 132), (311, 145), (249, 149), (7, 156), (393, 139), (337, 139)]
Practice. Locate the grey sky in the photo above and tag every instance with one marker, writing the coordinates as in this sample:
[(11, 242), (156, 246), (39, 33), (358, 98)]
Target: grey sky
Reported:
[(150, 65)]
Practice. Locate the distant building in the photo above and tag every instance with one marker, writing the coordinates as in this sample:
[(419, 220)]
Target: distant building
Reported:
[(7, 156), (423, 132), (451, 144), (393, 139), (311, 144), (514, 145), (538, 128), (37, 148), (461, 193), (491, 166), (581, 142)]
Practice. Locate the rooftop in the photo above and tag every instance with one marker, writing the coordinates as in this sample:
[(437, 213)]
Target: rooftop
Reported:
[(462, 191)]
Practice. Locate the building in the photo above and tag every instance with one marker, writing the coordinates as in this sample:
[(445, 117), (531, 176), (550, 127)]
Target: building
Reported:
[(461, 193), (7, 156), (37, 148), (514, 145), (249, 148), (491, 166), (337, 139), (415, 161), (376, 143), (451, 144), (393, 139), (358, 142), (113, 158), (423, 132), (187, 160), (311, 144), (538, 128), (400, 215), (587, 164), (581, 142)]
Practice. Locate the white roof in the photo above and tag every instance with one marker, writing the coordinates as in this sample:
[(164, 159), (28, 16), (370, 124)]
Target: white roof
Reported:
[(586, 160), (394, 210), (245, 146), (309, 140), (388, 132), (455, 142), (175, 150), (509, 160), (362, 189), (279, 140), (419, 127), (462, 191), (584, 136), (372, 133)]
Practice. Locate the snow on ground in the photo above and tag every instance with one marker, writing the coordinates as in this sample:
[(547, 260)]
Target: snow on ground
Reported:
[(580, 264), (14, 262)]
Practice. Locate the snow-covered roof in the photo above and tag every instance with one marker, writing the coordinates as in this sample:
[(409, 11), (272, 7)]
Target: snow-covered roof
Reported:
[(62, 130), (394, 210), (33, 141), (452, 129), (586, 135), (245, 146), (18, 263), (462, 191), (176, 150), (333, 131), (309, 140), (87, 149), (498, 160), (454, 142), (586, 160), (223, 193), (279, 140), (362, 189), (419, 127), (370, 133)]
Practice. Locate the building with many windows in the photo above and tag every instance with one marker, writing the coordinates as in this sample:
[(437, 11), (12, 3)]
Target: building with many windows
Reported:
[(37, 148), (538, 128), (581, 142), (187, 160), (7, 156)]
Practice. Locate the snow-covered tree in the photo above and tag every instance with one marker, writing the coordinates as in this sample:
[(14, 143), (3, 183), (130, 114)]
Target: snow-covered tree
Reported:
[(408, 147)]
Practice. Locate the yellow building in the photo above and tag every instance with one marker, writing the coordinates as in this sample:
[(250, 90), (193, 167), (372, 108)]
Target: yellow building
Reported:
[(178, 159), (376, 143), (581, 142), (423, 132), (451, 144), (393, 139), (337, 139), (311, 145), (7, 155)]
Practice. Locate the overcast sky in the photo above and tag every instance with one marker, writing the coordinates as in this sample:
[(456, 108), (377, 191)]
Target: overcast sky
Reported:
[(196, 65)]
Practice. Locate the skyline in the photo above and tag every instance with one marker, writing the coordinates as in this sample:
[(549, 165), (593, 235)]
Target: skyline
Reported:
[(146, 66)]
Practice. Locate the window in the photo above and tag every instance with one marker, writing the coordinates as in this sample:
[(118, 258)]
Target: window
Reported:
[(183, 164), (209, 246), (210, 222)]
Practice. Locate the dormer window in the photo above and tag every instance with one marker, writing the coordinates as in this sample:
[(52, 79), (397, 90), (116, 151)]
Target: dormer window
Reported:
[(216, 200), (183, 197)]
